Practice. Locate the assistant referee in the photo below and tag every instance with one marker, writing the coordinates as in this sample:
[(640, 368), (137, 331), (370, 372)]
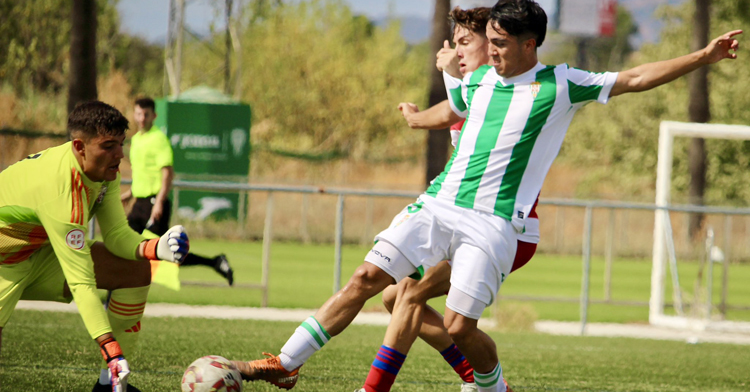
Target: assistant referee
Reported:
[(151, 159)]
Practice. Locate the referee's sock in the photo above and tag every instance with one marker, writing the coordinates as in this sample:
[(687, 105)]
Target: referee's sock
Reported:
[(193, 259)]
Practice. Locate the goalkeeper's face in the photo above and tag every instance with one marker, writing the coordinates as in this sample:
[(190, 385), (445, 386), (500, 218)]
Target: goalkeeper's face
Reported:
[(100, 156)]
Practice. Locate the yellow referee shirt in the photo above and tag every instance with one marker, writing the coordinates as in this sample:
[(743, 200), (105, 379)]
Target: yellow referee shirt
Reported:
[(150, 151)]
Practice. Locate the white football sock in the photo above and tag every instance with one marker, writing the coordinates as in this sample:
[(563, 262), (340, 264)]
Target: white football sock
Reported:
[(307, 339), (490, 382)]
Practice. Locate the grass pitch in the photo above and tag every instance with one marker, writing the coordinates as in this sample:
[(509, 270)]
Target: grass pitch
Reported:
[(52, 352), (301, 276), (44, 351)]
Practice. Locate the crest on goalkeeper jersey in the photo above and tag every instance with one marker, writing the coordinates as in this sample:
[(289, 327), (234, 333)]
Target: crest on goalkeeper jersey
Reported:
[(75, 239)]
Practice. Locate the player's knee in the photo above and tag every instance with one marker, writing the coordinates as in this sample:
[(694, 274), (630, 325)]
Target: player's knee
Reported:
[(409, 293), (368, 280), (459, 327)]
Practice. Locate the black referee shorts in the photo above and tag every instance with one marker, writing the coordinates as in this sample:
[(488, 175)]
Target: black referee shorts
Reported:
[(141, 212)]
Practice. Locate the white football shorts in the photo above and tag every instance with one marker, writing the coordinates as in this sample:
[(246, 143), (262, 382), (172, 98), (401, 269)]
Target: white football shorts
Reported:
[(431, 230)]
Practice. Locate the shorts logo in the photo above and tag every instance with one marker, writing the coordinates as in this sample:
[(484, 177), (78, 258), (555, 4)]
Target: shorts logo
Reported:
[(415, 207), (520, 214), (75, 239), (407, 216), (388, 259)]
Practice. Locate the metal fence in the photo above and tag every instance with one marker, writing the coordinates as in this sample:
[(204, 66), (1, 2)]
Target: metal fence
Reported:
[(587, 234)]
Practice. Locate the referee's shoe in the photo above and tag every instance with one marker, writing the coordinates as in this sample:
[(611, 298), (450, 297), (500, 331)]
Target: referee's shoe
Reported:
[(221, 265)]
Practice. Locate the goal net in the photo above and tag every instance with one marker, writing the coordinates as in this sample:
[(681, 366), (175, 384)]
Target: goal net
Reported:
[(664, 257)]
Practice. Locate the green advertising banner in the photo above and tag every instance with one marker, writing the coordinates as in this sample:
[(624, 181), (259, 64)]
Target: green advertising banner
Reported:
[(211, 142)]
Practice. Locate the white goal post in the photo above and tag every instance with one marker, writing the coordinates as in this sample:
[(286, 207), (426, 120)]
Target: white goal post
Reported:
[(668, 130)]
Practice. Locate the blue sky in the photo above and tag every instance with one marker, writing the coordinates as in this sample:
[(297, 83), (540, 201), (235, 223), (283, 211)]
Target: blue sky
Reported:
[(148, 18)]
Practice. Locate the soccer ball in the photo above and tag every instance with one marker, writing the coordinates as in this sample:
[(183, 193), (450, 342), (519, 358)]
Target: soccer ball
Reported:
[(212, 373)]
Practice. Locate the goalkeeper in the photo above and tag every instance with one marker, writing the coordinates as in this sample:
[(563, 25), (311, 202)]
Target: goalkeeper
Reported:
[(46, 201)]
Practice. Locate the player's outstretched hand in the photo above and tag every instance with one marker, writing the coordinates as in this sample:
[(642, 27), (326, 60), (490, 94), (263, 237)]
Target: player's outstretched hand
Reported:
[(117, 364), (408, 108), (172, 246), (723, 47)]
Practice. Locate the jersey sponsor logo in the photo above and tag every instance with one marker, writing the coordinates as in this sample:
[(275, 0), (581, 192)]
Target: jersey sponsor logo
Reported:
[(535, 88), (75, 239)]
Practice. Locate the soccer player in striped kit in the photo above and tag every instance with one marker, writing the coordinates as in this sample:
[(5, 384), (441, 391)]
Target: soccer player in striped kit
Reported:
[(408, 299), (517, 112)]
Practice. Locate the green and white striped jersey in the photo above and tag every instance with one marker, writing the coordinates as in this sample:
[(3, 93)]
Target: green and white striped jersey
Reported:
[(513, 131)]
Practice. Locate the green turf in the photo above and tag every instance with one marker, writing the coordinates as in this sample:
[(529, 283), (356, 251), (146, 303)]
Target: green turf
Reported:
[(46, 351), (301, 276)]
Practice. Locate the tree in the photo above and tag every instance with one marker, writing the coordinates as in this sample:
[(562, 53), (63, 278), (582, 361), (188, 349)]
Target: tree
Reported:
[(323, 83), (437, 139), (34, 42), (698, 111), (615, 145), (82, 85)]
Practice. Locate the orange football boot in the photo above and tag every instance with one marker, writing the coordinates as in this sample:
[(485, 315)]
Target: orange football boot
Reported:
[(269, 370)]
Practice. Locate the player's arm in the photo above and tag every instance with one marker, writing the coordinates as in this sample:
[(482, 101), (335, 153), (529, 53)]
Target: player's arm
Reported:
[(647, 76), (67, 231), (167, 176), (126, 195), (164, 160), (122, 241), (437, 117)]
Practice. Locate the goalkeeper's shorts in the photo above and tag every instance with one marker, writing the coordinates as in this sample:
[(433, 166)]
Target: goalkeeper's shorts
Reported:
[(38, 278)]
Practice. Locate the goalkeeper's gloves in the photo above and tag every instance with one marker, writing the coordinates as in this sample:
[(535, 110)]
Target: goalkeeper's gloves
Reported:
[(117, 364), (172, 246)]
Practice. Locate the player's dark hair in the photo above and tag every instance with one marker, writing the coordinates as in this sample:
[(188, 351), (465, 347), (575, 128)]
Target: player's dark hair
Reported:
[(474, 19), (146, 103), (96, 118), (523, 19)]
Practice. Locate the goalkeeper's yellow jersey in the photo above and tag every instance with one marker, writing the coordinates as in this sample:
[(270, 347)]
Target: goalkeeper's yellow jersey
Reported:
[(47, 200)]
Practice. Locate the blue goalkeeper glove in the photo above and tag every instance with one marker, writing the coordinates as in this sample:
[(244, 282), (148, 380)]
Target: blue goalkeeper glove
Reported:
[(172, 246)]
